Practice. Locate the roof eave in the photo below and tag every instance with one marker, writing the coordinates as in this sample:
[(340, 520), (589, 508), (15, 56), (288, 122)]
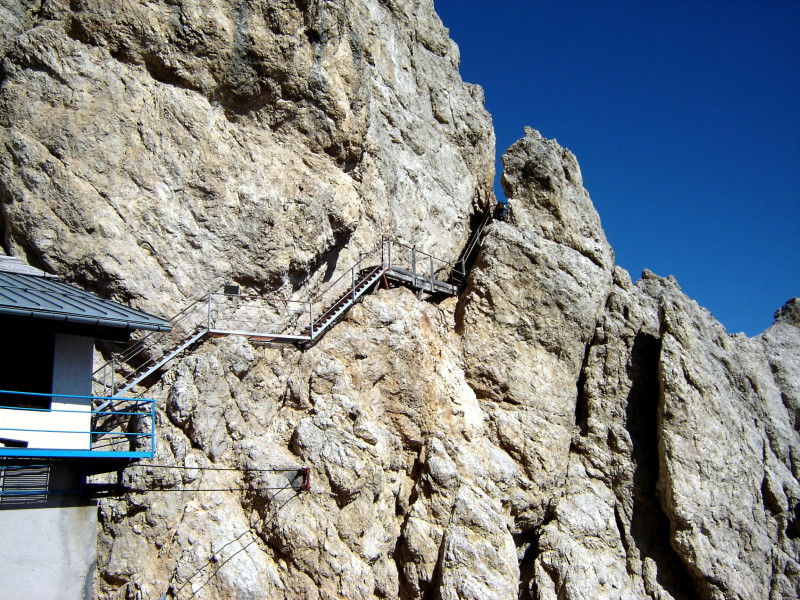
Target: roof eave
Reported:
[(54, 316)]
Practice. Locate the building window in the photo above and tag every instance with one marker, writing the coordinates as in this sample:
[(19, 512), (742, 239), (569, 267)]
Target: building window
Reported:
[(26, 355)]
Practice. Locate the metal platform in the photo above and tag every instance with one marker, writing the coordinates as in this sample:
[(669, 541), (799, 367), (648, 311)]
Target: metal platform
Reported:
[(71, 428), (422, 282), (67, 453)]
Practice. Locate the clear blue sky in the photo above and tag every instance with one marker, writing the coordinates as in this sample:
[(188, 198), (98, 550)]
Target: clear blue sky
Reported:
[(685, 118)]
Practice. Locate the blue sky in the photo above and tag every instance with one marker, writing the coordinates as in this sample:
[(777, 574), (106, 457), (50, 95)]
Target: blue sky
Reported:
[(685, 119)]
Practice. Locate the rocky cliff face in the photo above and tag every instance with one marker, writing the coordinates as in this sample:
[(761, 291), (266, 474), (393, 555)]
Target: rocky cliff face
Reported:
[(155, 150), (555, 431)]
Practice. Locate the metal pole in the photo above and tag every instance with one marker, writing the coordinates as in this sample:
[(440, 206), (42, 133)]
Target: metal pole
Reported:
[(311, 319), (353, 280), (432, 288), (413, 266), (113, 369), (389, 250)]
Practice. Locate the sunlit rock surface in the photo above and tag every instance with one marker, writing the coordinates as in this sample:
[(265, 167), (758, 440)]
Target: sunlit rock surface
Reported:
[(556, 431), (153, 151)]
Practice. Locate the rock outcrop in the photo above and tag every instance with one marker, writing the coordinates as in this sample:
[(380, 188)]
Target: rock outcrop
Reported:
[(153, 151), (684, 434), (555, 431)]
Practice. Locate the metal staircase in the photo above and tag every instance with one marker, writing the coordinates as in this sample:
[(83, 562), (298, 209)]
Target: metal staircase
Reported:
[(367, 278), (151, 352), (276, 319), (459, 273)]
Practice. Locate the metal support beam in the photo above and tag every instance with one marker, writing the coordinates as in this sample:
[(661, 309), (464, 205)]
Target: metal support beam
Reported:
[(305, 472)]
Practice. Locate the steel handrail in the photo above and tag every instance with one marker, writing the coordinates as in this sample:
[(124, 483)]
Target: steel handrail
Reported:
[(51, 395), (60, 410), (212, 311), (76, 432), (331, 310), (257, 297), (487, 216), (420, 252), (180, 317), (148, 411), (461, 264), (425, 255), (146, 344)]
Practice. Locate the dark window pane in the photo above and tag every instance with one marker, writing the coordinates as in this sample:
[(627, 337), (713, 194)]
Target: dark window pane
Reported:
[(26, 364)]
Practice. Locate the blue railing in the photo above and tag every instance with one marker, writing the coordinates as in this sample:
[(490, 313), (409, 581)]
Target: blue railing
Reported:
[(70, 426)]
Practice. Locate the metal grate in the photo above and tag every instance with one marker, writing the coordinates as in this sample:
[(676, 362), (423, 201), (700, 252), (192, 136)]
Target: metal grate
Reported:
[(24, 484)]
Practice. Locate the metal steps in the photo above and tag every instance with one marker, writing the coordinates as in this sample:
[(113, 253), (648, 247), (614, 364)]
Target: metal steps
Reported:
[(459, 273), (368, 278), (422, 282), (151, 366), (281, 319)]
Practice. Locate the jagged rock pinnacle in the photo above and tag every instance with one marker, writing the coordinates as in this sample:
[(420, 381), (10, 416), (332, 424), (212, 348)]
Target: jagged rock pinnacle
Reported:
[(555, 431)]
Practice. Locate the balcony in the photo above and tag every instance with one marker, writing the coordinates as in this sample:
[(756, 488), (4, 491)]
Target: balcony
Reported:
[(66, 426)]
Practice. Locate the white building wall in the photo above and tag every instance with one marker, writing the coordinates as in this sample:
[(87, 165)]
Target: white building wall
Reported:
[(49, 551)]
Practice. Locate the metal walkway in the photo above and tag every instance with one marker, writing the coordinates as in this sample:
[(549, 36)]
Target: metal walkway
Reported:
[(276, 319)]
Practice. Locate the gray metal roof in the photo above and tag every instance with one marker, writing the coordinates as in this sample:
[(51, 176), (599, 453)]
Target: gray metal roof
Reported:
[(11, 264), (25, 294)]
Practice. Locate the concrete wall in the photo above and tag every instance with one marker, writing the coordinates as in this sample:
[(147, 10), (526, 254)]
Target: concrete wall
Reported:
[(72, 375), (72, 365), (48, 548)]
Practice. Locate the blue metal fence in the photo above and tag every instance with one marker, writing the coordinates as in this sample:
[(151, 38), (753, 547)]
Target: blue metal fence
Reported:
[(124, 428)]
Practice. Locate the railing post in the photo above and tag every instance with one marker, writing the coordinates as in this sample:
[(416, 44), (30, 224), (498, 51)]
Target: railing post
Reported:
[(311, 319), (414, 266), (432, 288), (353, 280), (113, 370), (389, 251), (153, 427)]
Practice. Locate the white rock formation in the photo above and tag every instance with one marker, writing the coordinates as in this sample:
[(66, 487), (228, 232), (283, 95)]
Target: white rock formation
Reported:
[(156, 150), (555, 431)]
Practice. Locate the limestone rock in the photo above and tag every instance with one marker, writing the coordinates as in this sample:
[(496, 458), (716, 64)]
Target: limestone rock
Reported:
[(727, 441), (555, 431), (529, 312), (154, 151), (16, 16), (557, 206), (684, 439), (608, 536)]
